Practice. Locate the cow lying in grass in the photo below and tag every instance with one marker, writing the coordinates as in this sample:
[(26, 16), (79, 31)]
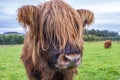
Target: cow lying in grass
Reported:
[(53, 45)]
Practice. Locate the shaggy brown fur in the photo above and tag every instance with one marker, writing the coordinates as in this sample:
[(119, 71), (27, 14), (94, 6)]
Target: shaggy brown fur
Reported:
[(87, 16), (51, 23), (107, 44)]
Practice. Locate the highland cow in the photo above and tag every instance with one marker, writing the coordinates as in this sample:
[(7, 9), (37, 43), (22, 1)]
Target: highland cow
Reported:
[(53, 44), (107, 44)]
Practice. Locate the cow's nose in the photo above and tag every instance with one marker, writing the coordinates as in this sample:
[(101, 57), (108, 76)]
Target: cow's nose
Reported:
[(68, 61), (72, 57)]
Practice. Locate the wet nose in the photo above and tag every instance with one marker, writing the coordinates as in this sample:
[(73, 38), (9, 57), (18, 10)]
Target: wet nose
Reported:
[(68, 61), (72, 57)]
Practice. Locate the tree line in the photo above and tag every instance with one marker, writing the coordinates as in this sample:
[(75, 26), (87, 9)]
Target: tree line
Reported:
[(100, 35), (11, 38)]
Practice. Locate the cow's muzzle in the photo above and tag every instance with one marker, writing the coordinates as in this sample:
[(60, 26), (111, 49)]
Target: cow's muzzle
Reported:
[(66, 61)]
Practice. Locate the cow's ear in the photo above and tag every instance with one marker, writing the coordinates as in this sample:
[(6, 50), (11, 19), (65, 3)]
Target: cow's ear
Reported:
[(28, 16), (87, 16)]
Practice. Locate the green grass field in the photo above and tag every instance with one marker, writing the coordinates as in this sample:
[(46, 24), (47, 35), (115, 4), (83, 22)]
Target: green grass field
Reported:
[(98, 63)]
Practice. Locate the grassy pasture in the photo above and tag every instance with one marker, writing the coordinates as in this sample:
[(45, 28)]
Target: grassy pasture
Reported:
[(98, 63)]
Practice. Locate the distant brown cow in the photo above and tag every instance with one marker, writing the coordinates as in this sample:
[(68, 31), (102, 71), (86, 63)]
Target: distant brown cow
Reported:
[(107, 44)]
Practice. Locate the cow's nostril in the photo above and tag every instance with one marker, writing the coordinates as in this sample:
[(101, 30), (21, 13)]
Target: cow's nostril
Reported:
[(66, 59)]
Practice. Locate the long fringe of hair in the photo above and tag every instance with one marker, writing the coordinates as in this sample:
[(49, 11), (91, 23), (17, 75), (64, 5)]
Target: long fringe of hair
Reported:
[(59, 24)]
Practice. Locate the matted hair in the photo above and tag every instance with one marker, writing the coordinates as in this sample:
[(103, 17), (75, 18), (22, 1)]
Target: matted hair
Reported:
[(54, 23), (59, 25), (51, 28)]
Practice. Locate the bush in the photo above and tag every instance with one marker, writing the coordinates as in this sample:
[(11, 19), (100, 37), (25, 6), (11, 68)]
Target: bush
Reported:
[(11, 39)]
